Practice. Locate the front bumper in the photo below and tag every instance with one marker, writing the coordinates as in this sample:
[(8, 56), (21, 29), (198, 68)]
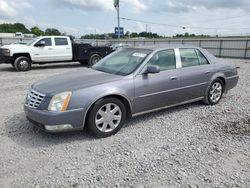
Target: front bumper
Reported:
[(6, 59), (47, 121)]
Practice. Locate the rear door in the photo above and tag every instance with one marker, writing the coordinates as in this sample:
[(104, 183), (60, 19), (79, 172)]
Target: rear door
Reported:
[(154, 91), (196, 73), (62, 49)]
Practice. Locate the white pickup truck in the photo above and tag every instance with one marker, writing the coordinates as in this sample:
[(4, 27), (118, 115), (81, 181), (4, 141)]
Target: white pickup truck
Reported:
[(50, 49)]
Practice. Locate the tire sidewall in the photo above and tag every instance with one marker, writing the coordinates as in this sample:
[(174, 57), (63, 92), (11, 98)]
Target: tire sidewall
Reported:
[(17, 64), (91, 63), (208, 92), (94, 109)]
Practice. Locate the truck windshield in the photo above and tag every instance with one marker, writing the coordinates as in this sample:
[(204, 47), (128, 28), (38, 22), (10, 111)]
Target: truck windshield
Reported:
[(123, 62), (31, 42)]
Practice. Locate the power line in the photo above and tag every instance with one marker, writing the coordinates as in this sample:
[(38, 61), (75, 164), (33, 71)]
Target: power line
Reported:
[(177, 26)]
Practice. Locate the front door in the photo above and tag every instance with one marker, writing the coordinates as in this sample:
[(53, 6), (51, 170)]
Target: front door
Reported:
[(43, 53), (154, 91)]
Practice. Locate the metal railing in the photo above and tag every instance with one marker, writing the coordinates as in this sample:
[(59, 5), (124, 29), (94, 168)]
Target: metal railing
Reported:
[(220, 47)]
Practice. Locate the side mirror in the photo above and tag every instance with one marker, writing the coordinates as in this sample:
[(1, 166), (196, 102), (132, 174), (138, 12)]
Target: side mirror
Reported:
[(40, 44), (152, 69)]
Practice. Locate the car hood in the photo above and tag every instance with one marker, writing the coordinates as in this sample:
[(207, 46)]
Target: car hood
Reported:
[(74, 80)]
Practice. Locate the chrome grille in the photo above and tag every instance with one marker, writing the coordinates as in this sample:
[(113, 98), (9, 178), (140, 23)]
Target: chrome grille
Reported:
[(34, 99)]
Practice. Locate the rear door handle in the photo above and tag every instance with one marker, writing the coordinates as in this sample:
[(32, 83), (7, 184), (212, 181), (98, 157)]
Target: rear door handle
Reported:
[(207, 72), (50, 48), (173, 78)]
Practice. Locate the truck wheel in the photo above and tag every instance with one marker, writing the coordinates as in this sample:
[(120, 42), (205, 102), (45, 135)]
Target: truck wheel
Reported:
[(94, 59), (22, 63)]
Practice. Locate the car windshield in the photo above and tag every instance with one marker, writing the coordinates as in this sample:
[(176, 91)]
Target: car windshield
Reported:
[(122, 62), (31, 42)]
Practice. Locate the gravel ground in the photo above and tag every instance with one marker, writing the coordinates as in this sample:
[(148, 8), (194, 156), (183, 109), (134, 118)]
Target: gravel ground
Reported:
[(188, 146)]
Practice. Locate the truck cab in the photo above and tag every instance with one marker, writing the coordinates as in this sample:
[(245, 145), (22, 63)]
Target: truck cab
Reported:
[(40, 50)]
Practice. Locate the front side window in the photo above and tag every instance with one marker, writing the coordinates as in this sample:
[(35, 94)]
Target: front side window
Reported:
[(164, 59), (61, 41), (47, 42), (122, 62), (189, 57)]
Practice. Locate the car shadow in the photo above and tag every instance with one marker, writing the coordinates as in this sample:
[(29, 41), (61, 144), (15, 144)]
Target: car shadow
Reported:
[(23, 133), (47, 66)]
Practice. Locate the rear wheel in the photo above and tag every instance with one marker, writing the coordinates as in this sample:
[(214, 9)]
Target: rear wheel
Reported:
[(215, 92), (106, 117), (22, 63), (94, 59)]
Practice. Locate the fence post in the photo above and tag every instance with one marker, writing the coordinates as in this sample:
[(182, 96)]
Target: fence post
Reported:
[(220, 48), (199, 43), (245, 55), (1, 41)]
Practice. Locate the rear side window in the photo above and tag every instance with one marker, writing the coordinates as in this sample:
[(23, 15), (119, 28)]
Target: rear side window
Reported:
[(164, 59), (203, 60), (61, 41), (189, 57)]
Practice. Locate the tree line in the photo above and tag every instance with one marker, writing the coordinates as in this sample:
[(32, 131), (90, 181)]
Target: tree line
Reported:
[(19, 27)]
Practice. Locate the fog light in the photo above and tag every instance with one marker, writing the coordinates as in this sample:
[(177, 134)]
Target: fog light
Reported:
[(58, 127)]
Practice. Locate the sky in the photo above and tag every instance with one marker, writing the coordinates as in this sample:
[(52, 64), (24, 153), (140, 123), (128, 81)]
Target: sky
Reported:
[(79, 17)]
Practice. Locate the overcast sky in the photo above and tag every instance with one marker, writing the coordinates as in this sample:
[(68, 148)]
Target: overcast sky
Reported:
[(79, 17)]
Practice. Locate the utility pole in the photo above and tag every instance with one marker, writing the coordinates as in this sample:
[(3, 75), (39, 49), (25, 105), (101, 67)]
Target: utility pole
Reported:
[(117, 6)]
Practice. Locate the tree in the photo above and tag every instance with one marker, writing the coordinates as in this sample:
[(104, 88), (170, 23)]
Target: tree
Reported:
[(52, 32), (13, 28), (37, 31)]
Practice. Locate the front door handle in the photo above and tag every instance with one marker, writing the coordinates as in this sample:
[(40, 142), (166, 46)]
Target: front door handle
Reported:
[(207, 72), (173, 78), (50, 48)]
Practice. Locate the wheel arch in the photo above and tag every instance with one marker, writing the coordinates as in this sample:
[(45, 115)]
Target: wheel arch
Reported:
[(17, 55), (120, 97)]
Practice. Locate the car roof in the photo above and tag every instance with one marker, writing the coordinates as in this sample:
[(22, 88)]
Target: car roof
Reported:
[(162, 47)]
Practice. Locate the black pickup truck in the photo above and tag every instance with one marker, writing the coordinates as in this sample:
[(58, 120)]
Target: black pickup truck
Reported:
[(51, 49)]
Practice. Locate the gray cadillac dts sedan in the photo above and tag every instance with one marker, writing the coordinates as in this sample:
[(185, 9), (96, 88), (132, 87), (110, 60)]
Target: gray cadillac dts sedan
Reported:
[(127, 83)]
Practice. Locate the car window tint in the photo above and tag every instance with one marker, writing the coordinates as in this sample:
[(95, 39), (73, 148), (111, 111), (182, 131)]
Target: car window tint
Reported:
[(188, 57), (164, 59), (46, 40), (61, 41), (203, 60)]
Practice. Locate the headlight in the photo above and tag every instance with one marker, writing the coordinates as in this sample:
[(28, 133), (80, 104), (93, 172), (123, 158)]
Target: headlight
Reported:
[(5, 52), (60, 102)]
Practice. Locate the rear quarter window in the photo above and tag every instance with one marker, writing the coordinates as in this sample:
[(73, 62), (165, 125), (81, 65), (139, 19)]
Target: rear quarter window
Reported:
[(202, 59)]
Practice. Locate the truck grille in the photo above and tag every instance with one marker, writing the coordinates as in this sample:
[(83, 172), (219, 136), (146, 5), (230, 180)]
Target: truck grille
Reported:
[(34, 99)]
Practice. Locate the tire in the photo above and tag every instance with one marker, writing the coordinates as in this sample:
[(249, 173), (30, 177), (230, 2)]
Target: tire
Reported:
[(214, 92), (106, 117), (94, 59), (22, 63)]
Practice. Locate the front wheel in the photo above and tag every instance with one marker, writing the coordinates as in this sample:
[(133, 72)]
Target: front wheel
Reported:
[(215, 92), (22, 63), (106, 117), (95, 58)]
